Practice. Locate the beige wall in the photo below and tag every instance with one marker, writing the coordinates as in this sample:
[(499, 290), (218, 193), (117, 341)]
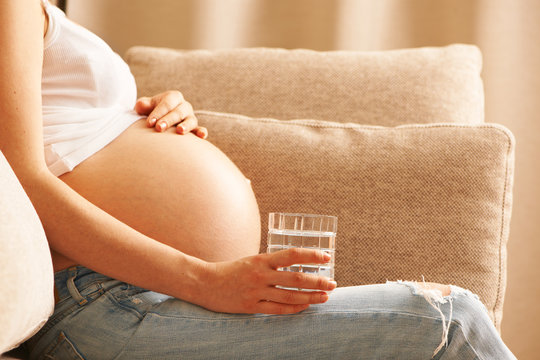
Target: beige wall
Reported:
[(505, 30)]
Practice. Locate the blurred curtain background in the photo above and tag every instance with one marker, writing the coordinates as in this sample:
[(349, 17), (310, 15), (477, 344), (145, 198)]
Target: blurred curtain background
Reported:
[(506, 31)]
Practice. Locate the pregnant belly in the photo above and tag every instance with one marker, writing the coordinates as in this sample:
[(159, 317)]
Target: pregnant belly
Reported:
[(177, 189)]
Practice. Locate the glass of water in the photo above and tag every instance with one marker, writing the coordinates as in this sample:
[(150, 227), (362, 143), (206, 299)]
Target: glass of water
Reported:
[(288, 230)]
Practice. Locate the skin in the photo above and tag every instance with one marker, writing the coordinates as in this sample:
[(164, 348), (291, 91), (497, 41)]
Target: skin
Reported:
[(191, 231)]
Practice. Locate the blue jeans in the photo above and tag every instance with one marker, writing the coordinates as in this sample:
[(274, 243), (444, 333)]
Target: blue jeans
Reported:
[(97, 317)]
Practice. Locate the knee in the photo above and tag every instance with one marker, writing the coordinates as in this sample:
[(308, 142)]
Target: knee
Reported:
[(444, 289)]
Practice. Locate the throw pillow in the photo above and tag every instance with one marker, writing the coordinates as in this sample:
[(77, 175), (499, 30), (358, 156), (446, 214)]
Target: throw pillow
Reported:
[(26, 273), (430, 200), (422, 85)]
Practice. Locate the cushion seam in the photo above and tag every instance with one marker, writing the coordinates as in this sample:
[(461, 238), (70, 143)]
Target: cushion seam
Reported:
[(351, 125), (503, 215)]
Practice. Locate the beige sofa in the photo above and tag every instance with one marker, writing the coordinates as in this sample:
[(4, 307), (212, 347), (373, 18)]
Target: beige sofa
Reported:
[(394, 143)]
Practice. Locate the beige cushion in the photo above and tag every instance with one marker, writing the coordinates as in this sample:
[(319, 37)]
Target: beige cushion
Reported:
[(415, 200), (421, 85), (26, 273)]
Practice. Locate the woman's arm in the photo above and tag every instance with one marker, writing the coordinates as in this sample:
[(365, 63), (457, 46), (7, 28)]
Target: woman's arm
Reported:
[(74, 227)]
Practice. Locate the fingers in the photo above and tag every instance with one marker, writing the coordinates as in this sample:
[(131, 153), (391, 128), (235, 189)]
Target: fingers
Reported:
[(159, 105), (189, 123), (144, 105), (281, 301), (268, 307), (168, 109), (201, 132), (167, 114), (293, 297), (301, 280), (298, 256), (165, 102), (182, 113)]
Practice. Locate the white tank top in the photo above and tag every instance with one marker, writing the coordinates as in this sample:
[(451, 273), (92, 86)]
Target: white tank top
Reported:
[(88, 93)]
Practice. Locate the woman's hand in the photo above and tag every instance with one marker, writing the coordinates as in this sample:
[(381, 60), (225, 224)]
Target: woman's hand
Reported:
[(248, 285), (168, 109)]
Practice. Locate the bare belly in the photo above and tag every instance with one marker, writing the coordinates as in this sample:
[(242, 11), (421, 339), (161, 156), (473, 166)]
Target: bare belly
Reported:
[(177, 189)]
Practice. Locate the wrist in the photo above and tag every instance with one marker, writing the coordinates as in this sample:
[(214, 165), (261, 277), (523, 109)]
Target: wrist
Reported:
[(194, 274)]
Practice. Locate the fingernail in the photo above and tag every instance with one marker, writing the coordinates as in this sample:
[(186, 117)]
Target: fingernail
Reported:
[(324, 297), (161, 126), (327, 257), (152, 121), (332, 285), (181, 129)]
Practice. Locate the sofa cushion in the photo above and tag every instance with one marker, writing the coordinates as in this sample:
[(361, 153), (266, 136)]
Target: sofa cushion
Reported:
[(26, 273), (422, 85), (412, 201)]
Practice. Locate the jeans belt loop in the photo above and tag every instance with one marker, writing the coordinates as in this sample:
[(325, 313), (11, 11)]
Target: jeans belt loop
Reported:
[(73, 291)]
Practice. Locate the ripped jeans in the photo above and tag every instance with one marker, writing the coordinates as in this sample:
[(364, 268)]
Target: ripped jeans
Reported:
[(97, 317)]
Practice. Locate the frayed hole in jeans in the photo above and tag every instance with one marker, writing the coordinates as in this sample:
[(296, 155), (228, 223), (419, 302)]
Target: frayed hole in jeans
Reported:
[(435, 299)]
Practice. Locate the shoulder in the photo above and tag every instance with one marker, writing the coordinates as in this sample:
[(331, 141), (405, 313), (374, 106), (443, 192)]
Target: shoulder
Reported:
[(23, 14)]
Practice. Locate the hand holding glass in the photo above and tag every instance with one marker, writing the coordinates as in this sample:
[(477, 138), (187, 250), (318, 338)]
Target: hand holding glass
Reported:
[(287, 230)]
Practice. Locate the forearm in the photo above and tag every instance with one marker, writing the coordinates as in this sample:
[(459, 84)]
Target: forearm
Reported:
[(86, 234), (75, 228)]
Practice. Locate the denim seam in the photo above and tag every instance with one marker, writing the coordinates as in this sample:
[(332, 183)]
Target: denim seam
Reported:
[(53, 345), (247, 317), (137, 314), (62, 337), (124, 307), (86, 286), (458, 325)]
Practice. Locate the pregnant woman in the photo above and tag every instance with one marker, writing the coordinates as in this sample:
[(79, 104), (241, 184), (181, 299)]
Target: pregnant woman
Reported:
[(154, 232)]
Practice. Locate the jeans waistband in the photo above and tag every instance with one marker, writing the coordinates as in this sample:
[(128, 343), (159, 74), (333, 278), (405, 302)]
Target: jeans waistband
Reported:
[(79, 283), (70, 281)]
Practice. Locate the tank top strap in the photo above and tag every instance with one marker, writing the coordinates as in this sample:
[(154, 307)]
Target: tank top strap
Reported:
[(54, 15)]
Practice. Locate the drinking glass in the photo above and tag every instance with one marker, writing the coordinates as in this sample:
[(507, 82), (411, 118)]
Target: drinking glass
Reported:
[(310, 231)]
